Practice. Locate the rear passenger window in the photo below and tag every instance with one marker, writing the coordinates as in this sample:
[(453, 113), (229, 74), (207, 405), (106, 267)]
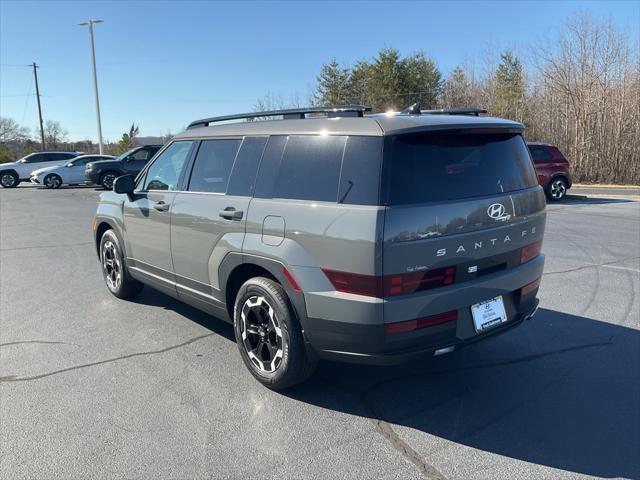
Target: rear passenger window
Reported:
[(539, 154), (310, 168), (213, 165), (360, 176), (245, 167), (269, 167)]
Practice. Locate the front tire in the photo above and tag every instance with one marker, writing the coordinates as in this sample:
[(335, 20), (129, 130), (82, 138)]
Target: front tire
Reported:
[(114, 270), (52, 181), (9, 180), (557, 189), (106, 180), (269, 335)]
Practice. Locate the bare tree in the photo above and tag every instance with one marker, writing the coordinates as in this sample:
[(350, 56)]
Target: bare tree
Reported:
[(586, 99), (54, 134)]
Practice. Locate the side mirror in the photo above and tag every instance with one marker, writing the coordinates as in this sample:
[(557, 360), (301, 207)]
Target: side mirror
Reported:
[(124, 184)]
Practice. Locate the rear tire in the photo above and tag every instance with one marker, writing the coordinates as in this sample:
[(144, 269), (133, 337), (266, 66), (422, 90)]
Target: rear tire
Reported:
[(106, 180), (557, 189), (114, 270), (9, 180), (269, 335), (52, 181)]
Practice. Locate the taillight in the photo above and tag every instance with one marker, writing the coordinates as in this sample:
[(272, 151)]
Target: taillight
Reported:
[(420, 323), (390, 285), (417, 281), (530, 287), (368, 285), (530, 251)]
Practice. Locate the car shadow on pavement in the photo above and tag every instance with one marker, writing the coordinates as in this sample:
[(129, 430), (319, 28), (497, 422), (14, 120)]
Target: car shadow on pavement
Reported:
[(561, 391), (585, 200), (150, 296)]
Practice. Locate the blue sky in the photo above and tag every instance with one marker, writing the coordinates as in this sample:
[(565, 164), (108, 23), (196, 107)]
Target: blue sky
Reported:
[(163, 64)]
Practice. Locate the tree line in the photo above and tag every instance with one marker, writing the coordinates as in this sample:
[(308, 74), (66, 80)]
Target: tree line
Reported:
[(580, 91), (17, 141)]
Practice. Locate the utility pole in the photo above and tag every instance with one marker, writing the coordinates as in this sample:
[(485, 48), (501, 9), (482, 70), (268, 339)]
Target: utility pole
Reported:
[(35, 76), (90, 23)]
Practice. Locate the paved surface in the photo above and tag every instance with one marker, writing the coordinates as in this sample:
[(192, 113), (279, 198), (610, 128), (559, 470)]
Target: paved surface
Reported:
[(95, 387), (605, 191)]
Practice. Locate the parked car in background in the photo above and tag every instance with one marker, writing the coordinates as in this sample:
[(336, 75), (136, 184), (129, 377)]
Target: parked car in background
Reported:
[(11, 174), (552, 168), (70, 173), (129, 163), (281, 228)]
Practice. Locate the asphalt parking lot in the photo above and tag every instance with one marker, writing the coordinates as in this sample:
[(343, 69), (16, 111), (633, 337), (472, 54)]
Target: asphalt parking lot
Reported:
[(95, 387)]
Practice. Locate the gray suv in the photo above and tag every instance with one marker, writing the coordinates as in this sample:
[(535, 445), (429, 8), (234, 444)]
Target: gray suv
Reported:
[(331, 234)]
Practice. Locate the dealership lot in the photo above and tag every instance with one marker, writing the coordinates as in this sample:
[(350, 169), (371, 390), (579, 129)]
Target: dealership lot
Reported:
[(91, 386)]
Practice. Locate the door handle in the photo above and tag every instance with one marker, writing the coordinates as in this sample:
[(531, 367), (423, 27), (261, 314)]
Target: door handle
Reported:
[(161, 206), (231, 213)]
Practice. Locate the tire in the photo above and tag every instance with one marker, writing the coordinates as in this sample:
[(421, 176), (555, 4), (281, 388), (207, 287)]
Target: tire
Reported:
[(52, 181), (114, 270), (107, 178), (269, 336), (9, 179), (557, 189)]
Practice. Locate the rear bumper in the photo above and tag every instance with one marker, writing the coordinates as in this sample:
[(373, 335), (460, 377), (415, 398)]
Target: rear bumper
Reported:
[(356, 341), (403, 356)]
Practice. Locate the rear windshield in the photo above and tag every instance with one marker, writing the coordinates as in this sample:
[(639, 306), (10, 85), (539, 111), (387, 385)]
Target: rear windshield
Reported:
[(434, 167)]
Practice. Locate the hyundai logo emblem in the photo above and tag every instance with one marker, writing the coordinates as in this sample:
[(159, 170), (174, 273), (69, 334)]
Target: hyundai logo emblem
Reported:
[(497, 211)]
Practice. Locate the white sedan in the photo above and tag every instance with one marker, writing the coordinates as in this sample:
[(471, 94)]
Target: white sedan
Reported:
[(70, 173)]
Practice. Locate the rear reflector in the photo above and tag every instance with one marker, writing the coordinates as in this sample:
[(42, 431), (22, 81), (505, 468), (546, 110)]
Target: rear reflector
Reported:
[(530, 251), (530, 287), (390, 285), (420, 323), (291, 280)]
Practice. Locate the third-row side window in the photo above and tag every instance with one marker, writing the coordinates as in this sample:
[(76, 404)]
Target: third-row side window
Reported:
[(310, 168)]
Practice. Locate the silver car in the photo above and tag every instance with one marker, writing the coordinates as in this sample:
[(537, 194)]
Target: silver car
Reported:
[(71, 173), (333, 234)]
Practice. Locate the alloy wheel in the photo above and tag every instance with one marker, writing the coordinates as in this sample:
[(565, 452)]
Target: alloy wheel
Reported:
[(111, 267), (7, 180), (558, 189), (261, 334), (107, 181), (52, 181)]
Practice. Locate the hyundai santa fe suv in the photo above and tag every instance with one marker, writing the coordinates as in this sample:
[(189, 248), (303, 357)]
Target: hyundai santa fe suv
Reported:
[(333, 234)]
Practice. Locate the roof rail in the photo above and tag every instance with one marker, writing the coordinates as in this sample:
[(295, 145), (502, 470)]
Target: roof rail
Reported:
[(455, 111), (291, 113)]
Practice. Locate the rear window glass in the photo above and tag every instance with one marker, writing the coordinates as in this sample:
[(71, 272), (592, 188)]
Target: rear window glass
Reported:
[(434, 167), (310, 168)]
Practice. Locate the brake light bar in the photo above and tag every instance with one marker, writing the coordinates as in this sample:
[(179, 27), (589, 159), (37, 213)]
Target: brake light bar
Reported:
[(420, 323), (382, 286), (530, 251)]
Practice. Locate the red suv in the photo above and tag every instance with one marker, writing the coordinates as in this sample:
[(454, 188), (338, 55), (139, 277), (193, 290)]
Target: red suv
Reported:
[(553, 170)]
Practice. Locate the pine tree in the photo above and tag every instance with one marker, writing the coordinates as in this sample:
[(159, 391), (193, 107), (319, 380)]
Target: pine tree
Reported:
[(510, 88), (332, 85)]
